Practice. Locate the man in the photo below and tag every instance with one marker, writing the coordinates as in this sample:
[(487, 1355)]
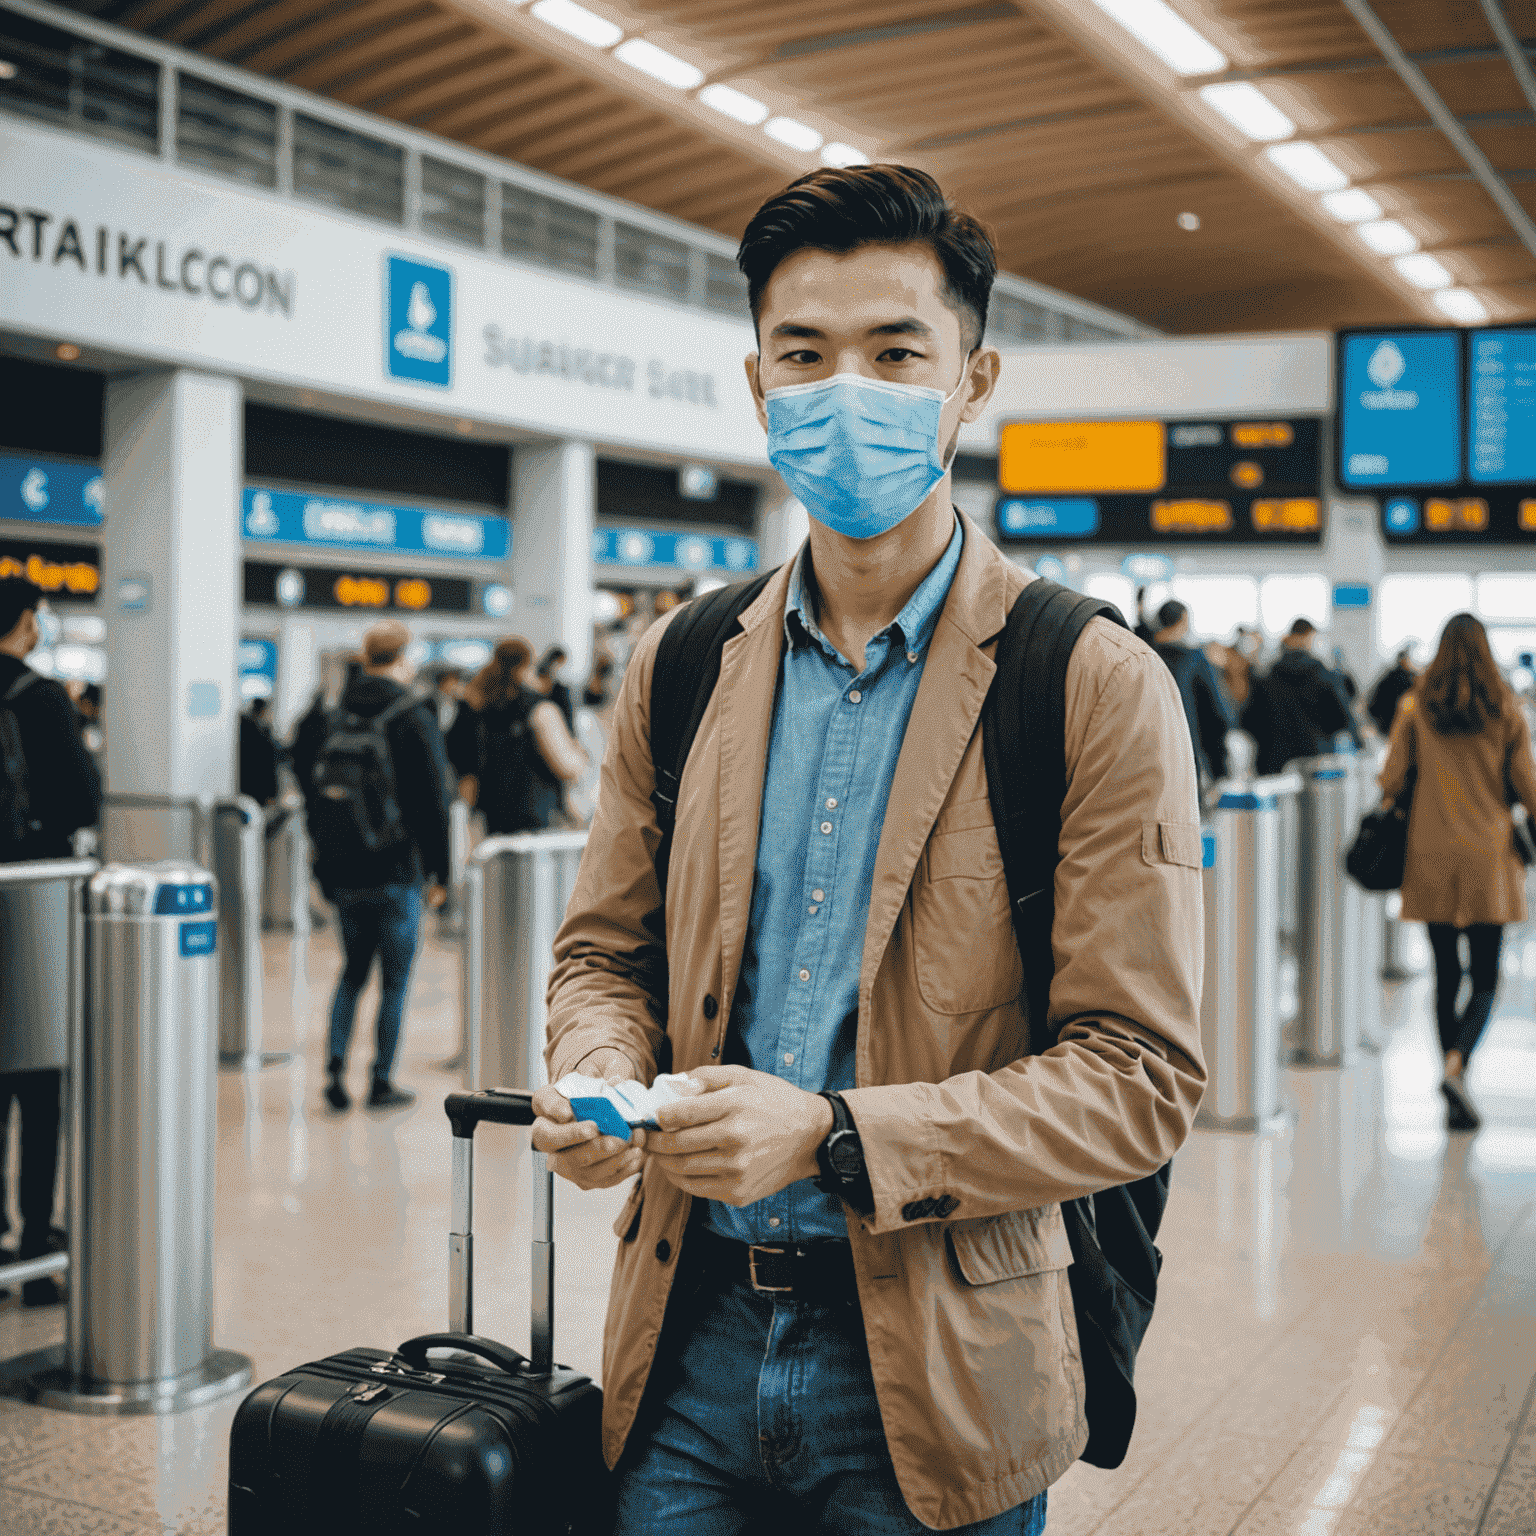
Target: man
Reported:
[(1206, 706), (49, 788), (900, 1354), (258, 753), (1299, 706), (1389, 690), (378, 817)]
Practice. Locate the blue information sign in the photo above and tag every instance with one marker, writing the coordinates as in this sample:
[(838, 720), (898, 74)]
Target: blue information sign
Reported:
[(1400, 410), (1503, 408), (290, 517), (1072, 517), (418, 322), (49, 491), (686, 551)]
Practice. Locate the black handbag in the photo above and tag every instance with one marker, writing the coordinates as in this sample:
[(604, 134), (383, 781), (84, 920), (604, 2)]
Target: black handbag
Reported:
[(1379, 853)]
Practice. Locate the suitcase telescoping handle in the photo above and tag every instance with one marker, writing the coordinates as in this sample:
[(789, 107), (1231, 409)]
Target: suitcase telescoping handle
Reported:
[(501, 1106)]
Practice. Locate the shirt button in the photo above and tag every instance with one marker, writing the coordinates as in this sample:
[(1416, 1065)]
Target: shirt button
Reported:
[(831, 803), (911, 655), (773, 1221), (813, 909), (789, 1058), (805, 975), (826, 826), (818, 895), (855, 696)]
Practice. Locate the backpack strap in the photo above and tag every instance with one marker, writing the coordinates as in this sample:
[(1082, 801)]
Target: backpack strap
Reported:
[(20, 686), (1023, 734), (686, 670)]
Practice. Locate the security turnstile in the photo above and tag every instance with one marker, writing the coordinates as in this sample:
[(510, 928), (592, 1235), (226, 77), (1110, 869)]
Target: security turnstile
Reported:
[(239, 859)]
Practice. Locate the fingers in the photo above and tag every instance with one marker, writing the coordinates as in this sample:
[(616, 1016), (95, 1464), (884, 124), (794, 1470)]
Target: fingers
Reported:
[(606, 1171), (704, 1109), (551, 1105), (720, 1077), (548, 1137), (687, 1142)]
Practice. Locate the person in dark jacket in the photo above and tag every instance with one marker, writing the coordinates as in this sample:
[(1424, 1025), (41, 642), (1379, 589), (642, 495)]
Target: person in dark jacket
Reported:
[(258, 754), (1206, 706), (1389, 690), (51, 790), (1299, 706), (546, 680), (378, 893)]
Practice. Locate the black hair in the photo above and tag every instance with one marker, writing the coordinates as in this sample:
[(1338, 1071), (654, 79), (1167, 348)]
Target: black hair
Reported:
[(1303, 627), (551, 661), (17, 596), (1170, 613), (840, 210)]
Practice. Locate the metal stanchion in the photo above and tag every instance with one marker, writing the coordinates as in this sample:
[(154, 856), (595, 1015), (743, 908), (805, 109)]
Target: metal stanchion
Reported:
[(239, 856), (517, 889), (141, 1116), (450, 916), (1368, 916), (1239, 1009), (41, 993), (1328, 918), (285, 889), (143, 828)]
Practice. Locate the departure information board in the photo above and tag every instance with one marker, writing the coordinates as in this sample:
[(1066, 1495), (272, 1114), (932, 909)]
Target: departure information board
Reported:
[(1185, 482), (1442, 425)]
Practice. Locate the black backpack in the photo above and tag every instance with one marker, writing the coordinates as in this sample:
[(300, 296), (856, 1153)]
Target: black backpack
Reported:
[(507, 750), (16, 819), (354, 808), (1115, 1260)]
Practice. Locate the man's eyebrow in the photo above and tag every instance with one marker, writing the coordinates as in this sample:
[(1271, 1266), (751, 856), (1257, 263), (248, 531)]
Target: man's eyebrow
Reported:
[(794, 328), (909, 325)]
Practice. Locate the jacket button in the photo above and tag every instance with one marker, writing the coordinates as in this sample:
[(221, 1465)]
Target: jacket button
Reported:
[(711, 1007), (663, 1251)]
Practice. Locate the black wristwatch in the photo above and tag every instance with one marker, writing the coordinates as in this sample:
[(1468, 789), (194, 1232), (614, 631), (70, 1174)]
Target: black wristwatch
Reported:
[(841, 1160)]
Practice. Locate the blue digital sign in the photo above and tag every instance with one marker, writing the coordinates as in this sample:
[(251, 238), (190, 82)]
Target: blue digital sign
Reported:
[(686, 551), (49, 491), (1503, 408), (291, 517), (418, 322), (1400, 410), (1071, 517)]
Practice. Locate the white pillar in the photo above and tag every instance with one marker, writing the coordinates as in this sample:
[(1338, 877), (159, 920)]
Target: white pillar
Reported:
[(786, 526), (171, 475), (554, 494), (1355, 556)]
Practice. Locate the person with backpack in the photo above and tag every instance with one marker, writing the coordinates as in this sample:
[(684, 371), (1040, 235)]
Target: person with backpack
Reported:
[(525, 755), (1206, 707), (375, 783), (1299, 706), (49, 789), (897, 856)]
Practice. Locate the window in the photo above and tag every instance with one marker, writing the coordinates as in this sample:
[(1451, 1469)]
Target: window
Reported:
[(226, 132), (1015, 319), (725, 288), (1217, 604), (1506, 595), (348, 170), (78, 84), (1284, 599), (546, 230), (650, 262), (1112, 587), (1412, 610), (452, 201)]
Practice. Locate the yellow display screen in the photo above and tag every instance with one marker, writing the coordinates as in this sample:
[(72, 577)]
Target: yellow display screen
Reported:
[(1191, 514), (1103, 457), (1287, 514), (1465, 514)]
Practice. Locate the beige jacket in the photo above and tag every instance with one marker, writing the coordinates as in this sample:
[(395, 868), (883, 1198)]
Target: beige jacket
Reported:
[(1461, 866), (969, 1319)]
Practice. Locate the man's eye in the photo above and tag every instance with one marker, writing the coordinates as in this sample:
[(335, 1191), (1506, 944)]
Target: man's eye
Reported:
[(896, 354), (803, 356)]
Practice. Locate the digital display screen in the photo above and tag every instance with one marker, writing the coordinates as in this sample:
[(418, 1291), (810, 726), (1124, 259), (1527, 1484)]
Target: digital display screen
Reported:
[(314, 586), (68, 573), (1399, 409), (1502, 388), (1115, 482)]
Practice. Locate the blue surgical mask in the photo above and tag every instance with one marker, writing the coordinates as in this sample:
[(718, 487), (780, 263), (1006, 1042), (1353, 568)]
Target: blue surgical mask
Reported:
[(861, 454)]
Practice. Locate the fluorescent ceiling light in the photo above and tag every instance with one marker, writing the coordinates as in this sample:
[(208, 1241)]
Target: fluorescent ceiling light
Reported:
[(1423, 271), (1161, 29), (1460, 304), (578, 21), (658, 63), (798, 135), (842, 154), (1250, 111), (1307, 166), (1387, 237), (1351, 206), (733, 103)]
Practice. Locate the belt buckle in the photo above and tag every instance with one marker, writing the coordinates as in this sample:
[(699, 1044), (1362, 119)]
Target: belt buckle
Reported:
[(753, 1249)]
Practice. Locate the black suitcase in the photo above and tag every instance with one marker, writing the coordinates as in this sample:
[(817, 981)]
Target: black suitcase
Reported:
[(482, 1441)]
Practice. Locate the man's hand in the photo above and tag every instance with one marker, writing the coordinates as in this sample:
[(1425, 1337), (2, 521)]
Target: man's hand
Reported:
[(746, 1137), (575, 1149)]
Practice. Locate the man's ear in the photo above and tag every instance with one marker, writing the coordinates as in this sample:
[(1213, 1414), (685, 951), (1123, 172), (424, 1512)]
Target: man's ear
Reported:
[(754, 383), (981, 380)]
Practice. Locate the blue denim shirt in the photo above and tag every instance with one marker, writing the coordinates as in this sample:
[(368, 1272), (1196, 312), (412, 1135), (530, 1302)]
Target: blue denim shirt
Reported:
[(831, 758)]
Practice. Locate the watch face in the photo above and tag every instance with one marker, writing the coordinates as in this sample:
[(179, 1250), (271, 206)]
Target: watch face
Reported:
[(846, 1154)]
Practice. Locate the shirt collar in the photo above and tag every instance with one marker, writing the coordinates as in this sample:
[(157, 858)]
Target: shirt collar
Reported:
[(916, 621)]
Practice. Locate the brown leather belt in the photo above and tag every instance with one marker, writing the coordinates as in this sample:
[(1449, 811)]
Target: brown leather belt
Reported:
[(820, 1272)]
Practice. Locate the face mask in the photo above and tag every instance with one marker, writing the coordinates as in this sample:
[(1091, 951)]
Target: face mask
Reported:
[(861, 454)]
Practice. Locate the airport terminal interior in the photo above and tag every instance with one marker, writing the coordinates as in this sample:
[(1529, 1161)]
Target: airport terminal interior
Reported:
[(342, 341)]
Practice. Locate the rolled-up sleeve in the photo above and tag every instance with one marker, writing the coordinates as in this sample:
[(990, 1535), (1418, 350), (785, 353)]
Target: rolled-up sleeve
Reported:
[(1116, 1096)]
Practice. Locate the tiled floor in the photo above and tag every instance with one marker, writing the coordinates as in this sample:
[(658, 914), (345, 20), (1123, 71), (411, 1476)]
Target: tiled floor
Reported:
[(1345, 1341)]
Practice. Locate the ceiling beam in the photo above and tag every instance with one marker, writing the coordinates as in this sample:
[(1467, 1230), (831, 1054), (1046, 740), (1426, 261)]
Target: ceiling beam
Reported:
[(1514, 50), (1425, 125), (1445, 120), (1356, 66)]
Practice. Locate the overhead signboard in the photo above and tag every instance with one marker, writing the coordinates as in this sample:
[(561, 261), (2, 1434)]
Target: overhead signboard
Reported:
[(653, 547), (68, 573), (1131, 482), (34, 490), (334, 587), (292, 517), (1441, 424)]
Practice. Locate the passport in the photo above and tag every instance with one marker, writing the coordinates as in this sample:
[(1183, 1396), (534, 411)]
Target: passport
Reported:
[(618, 1108)]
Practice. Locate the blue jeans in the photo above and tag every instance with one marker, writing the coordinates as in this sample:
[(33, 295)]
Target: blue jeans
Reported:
[(380, 922), (763, 1418)]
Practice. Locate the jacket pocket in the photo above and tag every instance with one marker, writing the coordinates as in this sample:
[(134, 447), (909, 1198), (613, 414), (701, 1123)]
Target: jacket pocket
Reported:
[(1172, 842), (963, 949), (628, 1224), (1010, 1246)]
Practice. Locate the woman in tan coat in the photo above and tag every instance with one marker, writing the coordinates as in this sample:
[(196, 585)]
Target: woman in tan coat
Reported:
[(1461, 731)]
